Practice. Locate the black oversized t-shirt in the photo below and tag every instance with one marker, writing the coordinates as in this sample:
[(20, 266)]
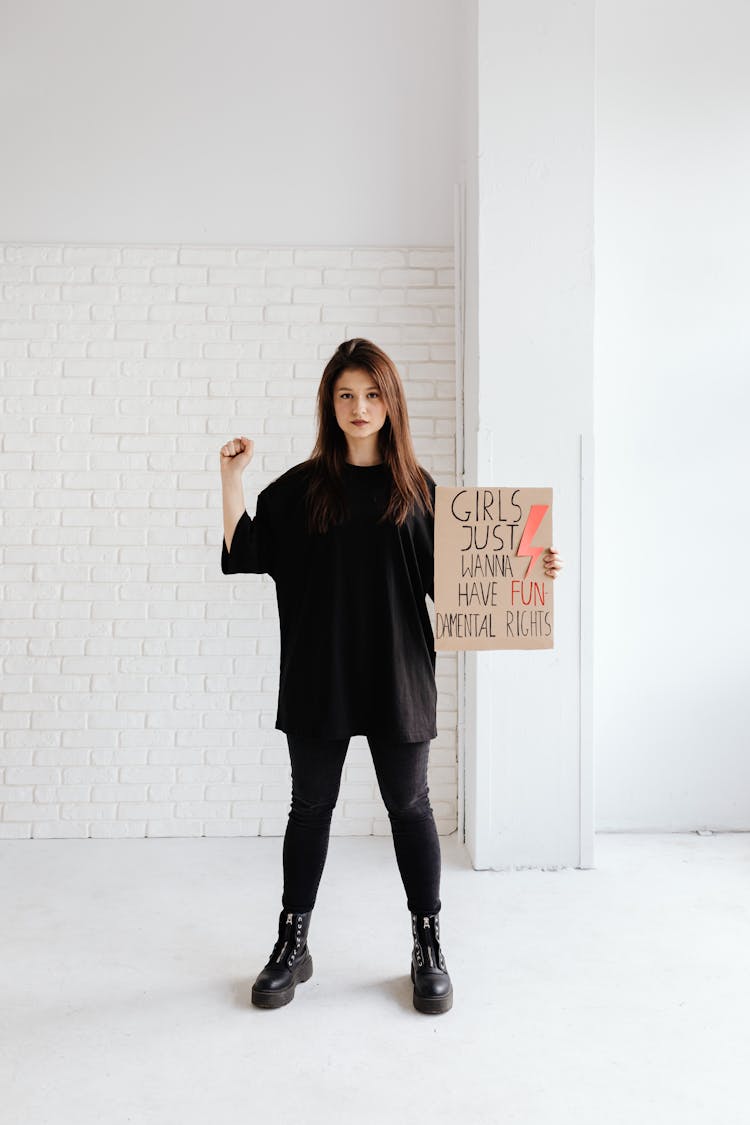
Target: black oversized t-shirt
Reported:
[(357, 647)]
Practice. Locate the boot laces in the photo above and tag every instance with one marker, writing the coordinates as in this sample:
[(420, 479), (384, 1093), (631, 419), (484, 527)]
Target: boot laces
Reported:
[(427, 946), (290, 940)]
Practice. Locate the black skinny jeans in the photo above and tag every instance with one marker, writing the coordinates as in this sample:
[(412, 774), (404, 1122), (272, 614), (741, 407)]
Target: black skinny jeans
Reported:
[(401, 770)]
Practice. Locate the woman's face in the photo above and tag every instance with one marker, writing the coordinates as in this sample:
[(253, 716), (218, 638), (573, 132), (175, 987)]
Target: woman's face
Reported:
[(356, 398)]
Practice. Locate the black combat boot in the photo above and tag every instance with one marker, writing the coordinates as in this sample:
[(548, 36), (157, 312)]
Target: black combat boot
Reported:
[(290, 962), (433, 991)]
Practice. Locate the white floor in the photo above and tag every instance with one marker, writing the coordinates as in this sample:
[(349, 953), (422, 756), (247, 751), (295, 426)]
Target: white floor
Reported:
[(579, 996)]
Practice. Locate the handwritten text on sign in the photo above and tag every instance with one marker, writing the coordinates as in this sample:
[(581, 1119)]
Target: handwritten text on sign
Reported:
[(490, 587)]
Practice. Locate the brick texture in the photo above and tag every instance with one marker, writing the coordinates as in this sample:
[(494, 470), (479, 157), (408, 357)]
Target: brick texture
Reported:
[(139, 683)]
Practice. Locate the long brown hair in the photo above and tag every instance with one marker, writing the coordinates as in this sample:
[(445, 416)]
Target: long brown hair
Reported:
[(326, 503)]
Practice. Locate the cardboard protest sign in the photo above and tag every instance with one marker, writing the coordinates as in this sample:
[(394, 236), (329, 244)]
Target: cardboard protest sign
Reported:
[(490, 587)]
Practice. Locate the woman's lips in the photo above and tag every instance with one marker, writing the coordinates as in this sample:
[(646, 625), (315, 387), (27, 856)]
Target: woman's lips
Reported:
[(359, 423)]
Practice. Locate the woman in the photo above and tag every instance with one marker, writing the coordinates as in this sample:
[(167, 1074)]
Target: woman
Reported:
[(347, 537)]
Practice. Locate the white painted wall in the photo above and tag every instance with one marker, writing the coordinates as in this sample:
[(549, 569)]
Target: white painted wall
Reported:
[(672, 403), (319, 145), (284, 123), (347, 124), (139, 683)]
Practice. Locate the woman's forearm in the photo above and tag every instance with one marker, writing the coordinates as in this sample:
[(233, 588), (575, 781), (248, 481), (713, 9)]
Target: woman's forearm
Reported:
[(233, 504)]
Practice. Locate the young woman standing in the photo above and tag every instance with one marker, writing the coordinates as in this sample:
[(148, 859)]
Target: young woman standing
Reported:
[(347, 537)]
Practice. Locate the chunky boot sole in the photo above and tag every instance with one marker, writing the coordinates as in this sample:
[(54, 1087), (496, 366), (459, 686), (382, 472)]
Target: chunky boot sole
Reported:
[(278, 997), (432, 1005)]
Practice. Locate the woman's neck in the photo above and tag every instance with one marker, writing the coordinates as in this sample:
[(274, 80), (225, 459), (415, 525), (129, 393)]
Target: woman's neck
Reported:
[(365, 453)]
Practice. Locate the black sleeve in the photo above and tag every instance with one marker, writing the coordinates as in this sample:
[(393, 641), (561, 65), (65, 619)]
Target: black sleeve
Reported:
[(252, 544), (425, 543)]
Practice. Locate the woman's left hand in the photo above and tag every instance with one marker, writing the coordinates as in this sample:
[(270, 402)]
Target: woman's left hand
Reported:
[(552, 563)]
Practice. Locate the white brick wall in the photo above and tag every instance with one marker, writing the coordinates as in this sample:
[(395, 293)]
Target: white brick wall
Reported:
[(139, 683)]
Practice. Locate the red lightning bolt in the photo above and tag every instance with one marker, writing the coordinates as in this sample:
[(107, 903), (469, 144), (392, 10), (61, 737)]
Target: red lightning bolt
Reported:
[(537, 513)]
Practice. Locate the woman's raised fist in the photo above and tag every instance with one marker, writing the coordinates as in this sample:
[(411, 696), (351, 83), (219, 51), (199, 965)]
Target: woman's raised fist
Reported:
[(236, 455)]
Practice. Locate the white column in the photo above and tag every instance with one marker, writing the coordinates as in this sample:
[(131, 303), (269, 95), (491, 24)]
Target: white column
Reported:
[(526, 260)]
